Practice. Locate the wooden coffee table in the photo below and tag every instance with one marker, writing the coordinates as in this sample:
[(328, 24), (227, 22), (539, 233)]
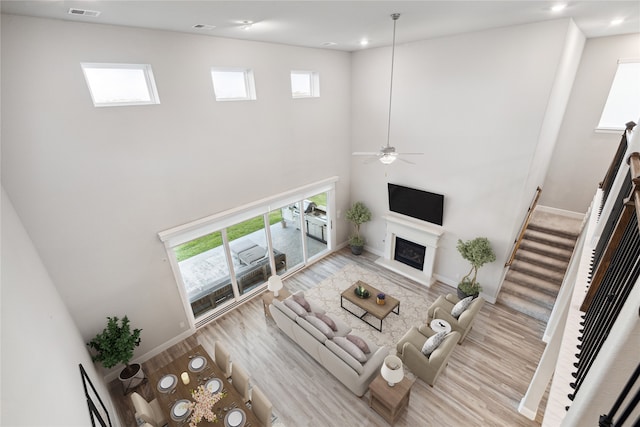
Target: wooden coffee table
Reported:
[(369, 304)]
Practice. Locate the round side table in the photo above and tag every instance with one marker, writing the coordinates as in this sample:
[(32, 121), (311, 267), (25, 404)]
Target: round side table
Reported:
[(439, 325)]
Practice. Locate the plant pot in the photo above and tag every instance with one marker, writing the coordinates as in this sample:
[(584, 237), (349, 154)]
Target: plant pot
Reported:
[(356, 250), (380, 301), (462, 295), (132, 375)]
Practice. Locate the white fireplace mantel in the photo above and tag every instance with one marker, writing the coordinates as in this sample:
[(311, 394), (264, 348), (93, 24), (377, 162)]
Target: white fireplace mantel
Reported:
[(416, 231)]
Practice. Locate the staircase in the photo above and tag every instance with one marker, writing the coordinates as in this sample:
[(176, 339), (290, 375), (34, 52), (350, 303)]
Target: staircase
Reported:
[(535, 276)]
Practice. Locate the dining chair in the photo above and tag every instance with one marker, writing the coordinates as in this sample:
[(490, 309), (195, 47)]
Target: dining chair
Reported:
[(240, 381), (223, 359), (261, 406), (149, 412)]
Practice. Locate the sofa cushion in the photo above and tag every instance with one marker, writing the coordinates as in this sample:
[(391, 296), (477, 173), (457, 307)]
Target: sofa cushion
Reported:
[(295, 307), (350, 348), (312, 330), (359, 342), (433, 342), (461, 306), (326, 319), (346, 357), (300, 299), (279, 305), (320, 325)]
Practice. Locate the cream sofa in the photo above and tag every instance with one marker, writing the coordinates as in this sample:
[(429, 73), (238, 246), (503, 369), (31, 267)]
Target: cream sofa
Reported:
[(355, 375)]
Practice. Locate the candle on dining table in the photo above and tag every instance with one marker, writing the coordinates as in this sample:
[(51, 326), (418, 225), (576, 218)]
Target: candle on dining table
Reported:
[(185, 378)]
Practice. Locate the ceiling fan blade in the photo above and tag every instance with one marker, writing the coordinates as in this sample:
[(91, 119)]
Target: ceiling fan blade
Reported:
[(405, 160), (411, 154), (365, 153)]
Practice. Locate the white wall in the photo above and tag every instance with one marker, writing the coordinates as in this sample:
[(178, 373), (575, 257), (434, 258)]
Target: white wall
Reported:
[(475, 105), (41, 346), (94, 186), (582, 156)]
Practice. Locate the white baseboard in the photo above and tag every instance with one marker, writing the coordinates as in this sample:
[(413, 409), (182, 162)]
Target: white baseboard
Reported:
[(562, 212)]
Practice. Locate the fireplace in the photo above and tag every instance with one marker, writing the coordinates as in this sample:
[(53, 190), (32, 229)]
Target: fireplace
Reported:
[(410, 247), (410, 253)]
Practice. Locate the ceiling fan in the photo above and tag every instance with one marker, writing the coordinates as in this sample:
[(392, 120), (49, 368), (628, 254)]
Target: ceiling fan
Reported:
[(387, 153)]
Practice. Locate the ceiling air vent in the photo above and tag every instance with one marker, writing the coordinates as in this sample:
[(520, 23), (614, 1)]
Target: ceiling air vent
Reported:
[(84, 12), (204, 27)]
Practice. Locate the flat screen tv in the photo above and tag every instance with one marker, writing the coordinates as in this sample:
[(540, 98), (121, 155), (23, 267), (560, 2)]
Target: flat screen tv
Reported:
[(415, 203)]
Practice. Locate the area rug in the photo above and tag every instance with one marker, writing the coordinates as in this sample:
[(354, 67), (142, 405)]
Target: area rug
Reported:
[(413, 305)]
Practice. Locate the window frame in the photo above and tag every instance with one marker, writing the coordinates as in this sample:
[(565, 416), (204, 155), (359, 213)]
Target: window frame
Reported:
[(249, 83), (314, 84), (611, 103), (147, 71)]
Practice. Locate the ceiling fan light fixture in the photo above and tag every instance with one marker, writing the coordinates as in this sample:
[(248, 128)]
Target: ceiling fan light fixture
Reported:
[(388, 158)]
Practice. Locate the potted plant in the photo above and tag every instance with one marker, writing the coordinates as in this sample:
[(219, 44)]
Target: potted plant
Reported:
[(115, 345), (380, 299), (357, 214), (478, 252)]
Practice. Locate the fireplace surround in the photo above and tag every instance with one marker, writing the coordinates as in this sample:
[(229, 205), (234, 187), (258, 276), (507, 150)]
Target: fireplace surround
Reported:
[(401, 229)]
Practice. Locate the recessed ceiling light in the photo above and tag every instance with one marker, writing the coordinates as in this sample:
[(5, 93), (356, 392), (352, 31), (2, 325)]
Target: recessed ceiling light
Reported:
[(204, 27), (558, 7), (617, 21), (246, 25), (327, 44), (364, 42)]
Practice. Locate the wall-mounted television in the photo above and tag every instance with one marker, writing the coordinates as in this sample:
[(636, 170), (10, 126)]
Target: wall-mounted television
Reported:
[(415, 203)]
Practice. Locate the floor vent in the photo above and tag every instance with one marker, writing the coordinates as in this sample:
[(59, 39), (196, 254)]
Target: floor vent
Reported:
[(84, 12)]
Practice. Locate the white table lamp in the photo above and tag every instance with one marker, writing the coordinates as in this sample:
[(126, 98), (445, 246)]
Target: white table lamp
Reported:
[(275, 284), (392, 370)]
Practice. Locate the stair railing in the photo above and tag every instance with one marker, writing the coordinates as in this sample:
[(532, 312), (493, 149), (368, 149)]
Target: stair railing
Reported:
[(525, 224)]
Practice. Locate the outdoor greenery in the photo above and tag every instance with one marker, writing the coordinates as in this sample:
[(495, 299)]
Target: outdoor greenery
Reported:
[(478, 252), (213, 240)]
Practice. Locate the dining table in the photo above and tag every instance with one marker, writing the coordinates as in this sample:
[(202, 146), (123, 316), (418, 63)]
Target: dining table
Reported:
[(198, 368)]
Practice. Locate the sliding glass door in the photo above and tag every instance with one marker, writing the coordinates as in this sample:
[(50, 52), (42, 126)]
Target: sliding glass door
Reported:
[(217, 269)]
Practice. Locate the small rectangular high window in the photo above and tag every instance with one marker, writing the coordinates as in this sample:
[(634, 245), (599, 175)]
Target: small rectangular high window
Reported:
[(233, 84), (305, 84), (623, 102), (120, 84)]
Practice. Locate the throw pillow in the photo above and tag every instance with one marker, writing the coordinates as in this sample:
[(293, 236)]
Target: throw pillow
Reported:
[(320, 325), (433, 342), (359, 342), (295, 307), (350, 348), (461, 306), (299, 298), (326, 319)]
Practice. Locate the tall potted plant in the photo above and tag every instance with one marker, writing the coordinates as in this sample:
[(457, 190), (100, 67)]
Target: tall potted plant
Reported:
[(357, 214), (115, 345), (478, 252)]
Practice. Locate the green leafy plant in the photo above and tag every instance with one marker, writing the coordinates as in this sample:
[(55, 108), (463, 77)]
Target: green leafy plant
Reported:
[(115, 344), (478, 252), (358, 214)]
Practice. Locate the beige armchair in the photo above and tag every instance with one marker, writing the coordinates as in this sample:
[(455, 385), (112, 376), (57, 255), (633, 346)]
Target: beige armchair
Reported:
[(441, 309), (427, 368)]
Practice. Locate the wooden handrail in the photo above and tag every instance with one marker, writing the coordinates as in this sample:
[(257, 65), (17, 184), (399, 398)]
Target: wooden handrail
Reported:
[(516, 244)]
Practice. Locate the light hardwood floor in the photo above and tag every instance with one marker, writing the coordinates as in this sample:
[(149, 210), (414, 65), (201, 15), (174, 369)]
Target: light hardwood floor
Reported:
[(486, 378)]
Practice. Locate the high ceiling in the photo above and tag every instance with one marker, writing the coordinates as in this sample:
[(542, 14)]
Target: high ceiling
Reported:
[(337, 24)]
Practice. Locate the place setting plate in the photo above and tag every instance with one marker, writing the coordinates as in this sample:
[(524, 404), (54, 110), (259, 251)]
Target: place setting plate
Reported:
[(167, 383), (214, 385), (235, 418), (197, 364), (180, 410)]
